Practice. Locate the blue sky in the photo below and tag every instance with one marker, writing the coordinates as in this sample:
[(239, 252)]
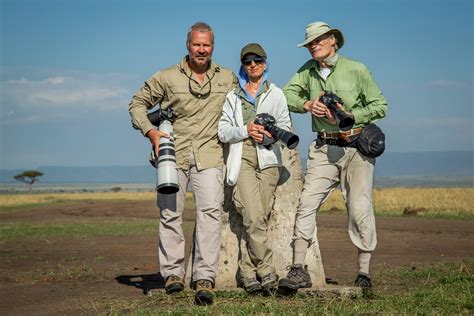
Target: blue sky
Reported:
[(69, 68)]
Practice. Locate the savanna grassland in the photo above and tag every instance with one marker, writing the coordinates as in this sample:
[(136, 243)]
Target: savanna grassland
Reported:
[(96, 253), (430, 202)]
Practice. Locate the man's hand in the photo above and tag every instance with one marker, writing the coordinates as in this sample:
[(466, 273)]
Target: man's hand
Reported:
[(256, 132), (154, 137), (319, 109)]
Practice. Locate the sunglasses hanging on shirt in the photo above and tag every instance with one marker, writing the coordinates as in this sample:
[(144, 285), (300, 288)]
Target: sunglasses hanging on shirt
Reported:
[(198, 93)]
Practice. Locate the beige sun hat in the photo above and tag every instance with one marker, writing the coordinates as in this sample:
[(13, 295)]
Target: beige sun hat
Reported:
[(316, 29)]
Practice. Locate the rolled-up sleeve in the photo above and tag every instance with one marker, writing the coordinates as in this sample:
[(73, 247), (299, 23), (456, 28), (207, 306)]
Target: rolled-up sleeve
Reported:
[(145, 98), (375, 106), (296, 92)]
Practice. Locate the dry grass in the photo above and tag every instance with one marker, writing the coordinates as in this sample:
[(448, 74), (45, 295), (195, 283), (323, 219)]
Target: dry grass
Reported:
[(438, 202), (17, 200)]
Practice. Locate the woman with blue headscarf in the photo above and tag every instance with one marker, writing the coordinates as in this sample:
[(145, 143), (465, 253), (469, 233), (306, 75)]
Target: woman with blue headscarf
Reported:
[(252, 162)]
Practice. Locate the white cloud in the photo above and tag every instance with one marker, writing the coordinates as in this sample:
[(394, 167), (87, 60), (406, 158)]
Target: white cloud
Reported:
[(67, 92)]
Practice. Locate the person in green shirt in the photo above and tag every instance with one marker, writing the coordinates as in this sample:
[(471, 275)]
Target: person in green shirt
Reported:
[(333, 159)]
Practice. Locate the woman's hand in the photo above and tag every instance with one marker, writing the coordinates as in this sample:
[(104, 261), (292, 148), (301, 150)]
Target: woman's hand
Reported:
[(257, 131)]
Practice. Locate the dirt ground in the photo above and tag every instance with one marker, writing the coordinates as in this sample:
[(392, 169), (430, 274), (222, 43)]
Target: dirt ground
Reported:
[(66, 275)]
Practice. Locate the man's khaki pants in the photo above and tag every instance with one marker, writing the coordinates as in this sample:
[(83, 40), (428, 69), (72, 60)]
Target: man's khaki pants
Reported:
[(207, 186), (328, 166), (253, 198)]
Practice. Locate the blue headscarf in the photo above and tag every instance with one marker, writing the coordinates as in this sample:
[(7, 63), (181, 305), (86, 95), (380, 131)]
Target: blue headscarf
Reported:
[(244, 79)]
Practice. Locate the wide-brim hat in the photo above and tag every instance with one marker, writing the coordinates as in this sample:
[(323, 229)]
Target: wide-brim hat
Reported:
[(253, 48), (316, 29)]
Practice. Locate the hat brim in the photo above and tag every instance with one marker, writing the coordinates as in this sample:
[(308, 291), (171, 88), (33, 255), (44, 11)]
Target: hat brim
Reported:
[(336, 32)]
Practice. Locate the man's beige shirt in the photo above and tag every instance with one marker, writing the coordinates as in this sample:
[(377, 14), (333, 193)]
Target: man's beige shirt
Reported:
[(197, 116)]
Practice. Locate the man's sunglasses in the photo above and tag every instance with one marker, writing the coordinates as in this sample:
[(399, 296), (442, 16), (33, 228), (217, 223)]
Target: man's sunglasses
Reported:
[(256, 59)]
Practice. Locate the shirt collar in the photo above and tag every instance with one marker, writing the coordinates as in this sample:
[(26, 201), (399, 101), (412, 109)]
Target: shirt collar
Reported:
[(184, 68), (331, 61)]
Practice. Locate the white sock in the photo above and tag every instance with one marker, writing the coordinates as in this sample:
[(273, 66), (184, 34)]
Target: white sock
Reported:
[(300, 247), (364, 261)]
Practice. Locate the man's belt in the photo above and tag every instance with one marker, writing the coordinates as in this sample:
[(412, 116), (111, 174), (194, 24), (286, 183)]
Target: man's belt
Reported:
[(344, 135), (342, 139)]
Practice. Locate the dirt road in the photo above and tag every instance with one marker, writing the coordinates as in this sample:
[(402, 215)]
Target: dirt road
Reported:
[(58, 275)]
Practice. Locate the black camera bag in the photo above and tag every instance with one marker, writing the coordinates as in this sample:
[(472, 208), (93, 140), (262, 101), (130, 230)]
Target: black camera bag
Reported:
[(371, 141)]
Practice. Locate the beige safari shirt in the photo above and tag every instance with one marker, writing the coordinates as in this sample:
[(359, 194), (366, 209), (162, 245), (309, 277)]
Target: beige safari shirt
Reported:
[(198, 109)]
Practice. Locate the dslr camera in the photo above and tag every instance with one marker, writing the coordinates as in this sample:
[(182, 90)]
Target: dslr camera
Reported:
[(166, 172), (268, 122), (344, 120)]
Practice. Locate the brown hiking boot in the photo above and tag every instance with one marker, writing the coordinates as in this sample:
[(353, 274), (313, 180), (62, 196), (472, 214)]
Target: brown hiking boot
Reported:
[(269, 281), (251, 285), (174, 284), (204, 294), (297, 278)]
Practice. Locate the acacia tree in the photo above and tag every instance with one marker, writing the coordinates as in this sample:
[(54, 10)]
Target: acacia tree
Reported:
[(29, 177)]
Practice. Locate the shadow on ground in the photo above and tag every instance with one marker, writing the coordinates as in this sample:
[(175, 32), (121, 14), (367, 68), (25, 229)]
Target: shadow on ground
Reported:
[(144, 282)]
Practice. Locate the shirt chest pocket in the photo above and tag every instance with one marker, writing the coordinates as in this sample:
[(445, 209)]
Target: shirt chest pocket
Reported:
[(219, 92), (221, 87), (179, 98), (349, 95)]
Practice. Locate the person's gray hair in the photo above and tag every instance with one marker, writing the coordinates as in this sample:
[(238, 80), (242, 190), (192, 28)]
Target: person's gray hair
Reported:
[(200, 27), (336, 47)]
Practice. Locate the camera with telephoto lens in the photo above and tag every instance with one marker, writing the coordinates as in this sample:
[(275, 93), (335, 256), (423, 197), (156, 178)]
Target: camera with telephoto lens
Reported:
[(167, 174), (344, 120), (268, 122)]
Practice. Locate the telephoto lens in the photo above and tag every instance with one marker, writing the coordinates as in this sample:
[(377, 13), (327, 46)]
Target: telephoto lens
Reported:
[(167, 174), (268, 122)]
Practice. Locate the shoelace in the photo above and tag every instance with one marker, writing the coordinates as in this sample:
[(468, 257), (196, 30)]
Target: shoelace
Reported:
[(204, 284), (364, 282), (293, 271)]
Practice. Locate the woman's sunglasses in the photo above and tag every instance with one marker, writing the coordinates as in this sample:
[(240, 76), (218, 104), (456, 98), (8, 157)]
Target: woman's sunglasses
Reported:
[(256, 59)]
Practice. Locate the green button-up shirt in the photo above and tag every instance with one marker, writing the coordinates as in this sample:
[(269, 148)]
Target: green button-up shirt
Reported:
[(197, 113), (349, 79)]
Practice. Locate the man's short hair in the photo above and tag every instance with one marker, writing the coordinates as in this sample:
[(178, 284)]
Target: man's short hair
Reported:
[(200, 27)]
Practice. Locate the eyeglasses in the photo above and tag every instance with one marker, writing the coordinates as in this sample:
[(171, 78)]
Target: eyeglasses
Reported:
[(198, 94), (256, 59)]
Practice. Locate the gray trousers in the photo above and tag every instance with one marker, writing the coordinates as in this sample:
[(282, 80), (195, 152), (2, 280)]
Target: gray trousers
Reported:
[(253, 199), (207, 186), (330, 166)]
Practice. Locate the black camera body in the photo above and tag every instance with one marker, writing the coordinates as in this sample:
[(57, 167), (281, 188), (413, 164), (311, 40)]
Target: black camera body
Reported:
[(344, 120), (268, 122), (159, 115)]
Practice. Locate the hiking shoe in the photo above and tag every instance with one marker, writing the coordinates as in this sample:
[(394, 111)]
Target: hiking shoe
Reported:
[(269, 281), (251, 285), (174, 284), (204, 294), (297, 278), (363, 281)]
